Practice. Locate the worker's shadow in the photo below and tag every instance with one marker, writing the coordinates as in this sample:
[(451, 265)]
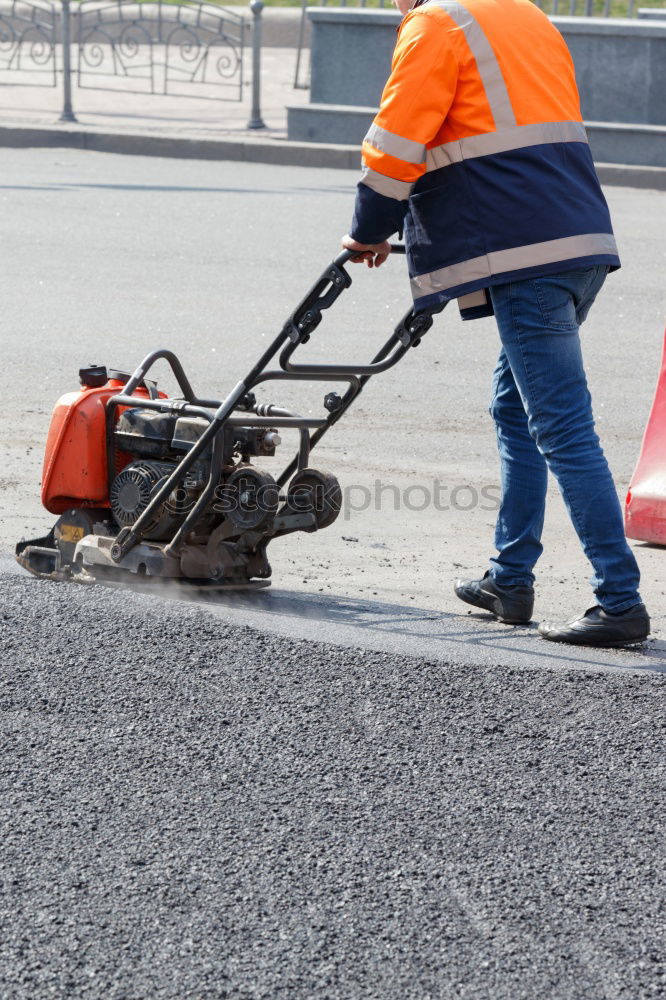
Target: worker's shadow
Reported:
[(419, 632)]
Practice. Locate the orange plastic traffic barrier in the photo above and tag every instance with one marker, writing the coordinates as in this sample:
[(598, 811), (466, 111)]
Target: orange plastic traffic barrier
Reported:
[(645, 507)]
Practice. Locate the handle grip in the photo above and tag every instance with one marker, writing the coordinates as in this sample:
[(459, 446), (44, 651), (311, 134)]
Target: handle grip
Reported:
[(347, 255)]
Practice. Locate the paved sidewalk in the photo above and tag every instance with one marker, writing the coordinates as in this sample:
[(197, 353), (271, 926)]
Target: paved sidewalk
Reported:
[(210, 116), (158, 125)]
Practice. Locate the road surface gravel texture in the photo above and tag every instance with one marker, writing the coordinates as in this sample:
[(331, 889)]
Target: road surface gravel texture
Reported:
[(193, 809), (346, 786)]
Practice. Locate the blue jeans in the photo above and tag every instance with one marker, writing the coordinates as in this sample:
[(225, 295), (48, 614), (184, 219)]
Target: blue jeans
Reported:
[(543, 413)]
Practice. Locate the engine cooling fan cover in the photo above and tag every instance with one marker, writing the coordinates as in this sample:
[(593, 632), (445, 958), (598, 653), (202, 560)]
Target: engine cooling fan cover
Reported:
[(131, 491)]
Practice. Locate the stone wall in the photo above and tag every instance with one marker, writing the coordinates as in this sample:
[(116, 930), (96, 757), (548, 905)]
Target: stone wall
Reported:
[(620, 67)]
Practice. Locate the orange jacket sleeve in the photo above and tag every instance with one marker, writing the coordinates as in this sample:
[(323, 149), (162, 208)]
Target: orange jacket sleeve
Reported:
[(415, 102)]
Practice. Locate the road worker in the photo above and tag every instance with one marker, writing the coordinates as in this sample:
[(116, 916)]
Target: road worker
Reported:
[(478, 153)]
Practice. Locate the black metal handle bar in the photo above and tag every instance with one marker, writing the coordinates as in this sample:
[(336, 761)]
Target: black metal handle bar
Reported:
[(297, 329), (307, 316), (407, 334)]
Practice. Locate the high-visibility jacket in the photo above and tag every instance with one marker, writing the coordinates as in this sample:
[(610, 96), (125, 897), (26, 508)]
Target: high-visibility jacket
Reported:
[(479, 152)]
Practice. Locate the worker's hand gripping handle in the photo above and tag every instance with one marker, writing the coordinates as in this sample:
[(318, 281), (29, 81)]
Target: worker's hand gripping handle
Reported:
[(347, 255)]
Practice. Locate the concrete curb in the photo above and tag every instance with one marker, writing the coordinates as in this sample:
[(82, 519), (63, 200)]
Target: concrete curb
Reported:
[(625, 175), (280, 152)]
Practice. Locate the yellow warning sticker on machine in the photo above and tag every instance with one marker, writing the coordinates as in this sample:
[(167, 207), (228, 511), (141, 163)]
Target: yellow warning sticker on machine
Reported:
[(71, 533)]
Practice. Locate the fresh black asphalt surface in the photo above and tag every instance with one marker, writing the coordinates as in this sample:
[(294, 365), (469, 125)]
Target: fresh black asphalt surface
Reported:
[(196, 809)]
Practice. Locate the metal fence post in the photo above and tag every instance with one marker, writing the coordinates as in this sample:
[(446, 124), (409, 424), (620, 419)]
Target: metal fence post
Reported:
[(66, 38), (301, 39), (256, 121)]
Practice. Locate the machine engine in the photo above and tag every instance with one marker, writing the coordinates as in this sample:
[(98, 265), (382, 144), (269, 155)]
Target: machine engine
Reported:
[(156, 442)]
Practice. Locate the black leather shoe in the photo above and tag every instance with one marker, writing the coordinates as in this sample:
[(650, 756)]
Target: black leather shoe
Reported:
[(511, 605), (599, 628)]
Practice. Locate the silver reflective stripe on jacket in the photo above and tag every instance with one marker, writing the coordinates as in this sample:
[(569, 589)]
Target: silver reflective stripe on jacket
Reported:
[(505, 139), (503, 261), (486, 61), (473, 299), (388, 142), (388, 186)]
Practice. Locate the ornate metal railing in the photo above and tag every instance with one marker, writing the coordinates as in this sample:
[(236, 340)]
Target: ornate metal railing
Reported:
[(192, 49), (28, 39)]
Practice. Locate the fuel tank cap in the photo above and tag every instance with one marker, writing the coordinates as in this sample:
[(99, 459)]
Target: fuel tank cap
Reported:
[(93, 376)]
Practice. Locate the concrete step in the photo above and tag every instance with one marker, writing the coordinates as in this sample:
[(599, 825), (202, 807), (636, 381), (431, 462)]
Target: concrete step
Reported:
[(611, 142), (329, 123), (616, 142)]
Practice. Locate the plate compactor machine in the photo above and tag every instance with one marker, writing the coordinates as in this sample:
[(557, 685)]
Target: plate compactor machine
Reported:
[(156, 487)]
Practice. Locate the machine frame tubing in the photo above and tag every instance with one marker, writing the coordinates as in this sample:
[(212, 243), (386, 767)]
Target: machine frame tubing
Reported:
[(296, 331)]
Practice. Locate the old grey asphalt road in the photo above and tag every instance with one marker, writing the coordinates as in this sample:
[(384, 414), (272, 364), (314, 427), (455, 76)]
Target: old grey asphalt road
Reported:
[(106, 257), (200, 800)]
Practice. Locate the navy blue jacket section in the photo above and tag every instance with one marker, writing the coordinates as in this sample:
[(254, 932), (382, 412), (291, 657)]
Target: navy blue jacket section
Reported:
[(477, 312), (492, 203), (376, 217)]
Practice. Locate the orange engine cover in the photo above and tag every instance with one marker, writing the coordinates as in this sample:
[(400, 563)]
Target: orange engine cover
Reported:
[(75, 466)]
